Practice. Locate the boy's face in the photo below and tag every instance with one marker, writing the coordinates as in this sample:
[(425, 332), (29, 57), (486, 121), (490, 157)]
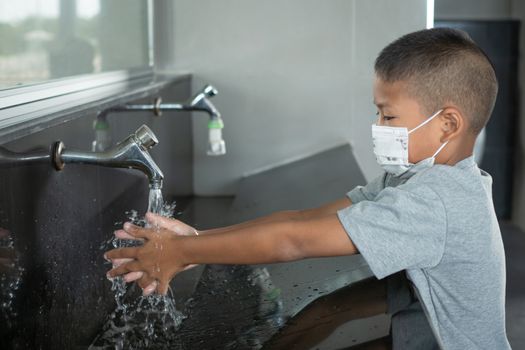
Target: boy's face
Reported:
[(396, 108)]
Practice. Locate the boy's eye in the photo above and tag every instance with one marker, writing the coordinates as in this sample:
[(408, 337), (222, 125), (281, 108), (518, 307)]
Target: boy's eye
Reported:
[(385, 117)]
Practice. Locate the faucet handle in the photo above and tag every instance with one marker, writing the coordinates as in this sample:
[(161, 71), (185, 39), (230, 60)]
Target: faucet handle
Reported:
[(210, 91), (146, 137)]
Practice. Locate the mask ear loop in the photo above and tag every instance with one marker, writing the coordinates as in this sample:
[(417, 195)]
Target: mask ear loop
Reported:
[(439, 149), (426, 121)]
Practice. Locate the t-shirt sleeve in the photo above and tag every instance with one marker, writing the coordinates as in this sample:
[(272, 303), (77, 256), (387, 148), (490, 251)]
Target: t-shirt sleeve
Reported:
[(368, 192), (404, 227)]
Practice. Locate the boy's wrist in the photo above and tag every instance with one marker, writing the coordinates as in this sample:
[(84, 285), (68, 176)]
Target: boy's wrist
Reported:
[(182, 248)]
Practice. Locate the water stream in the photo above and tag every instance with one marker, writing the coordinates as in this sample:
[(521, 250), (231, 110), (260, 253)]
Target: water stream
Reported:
[(140, 322), (156, 203)]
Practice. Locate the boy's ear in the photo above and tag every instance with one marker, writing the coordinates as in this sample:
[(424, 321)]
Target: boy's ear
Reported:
[(452, 123)]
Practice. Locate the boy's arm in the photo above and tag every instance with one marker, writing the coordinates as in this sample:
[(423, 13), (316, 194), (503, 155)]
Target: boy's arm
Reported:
[(163, 254), (181, 228), (326, 209)]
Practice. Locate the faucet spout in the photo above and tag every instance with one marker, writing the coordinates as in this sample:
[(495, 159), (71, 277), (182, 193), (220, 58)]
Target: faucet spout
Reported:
[(132, 153), (199, 102)]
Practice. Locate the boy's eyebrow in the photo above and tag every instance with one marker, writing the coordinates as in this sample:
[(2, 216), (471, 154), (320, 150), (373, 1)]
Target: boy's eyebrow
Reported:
[(380, 104)]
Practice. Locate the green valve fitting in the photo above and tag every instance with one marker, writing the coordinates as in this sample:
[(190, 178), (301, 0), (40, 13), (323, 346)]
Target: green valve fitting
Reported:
[(100, 124), (216, 145), (215, 123), (273, 294)]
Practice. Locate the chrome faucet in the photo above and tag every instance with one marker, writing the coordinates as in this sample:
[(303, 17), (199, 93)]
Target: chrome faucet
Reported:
[(199, 102), (132, 152)]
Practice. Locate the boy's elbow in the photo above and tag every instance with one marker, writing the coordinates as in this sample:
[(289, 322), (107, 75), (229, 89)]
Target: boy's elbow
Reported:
[(303, 240), (288, 248), (289, 252)]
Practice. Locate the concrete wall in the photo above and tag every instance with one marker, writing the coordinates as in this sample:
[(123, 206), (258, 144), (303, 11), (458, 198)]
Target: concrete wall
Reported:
[(294, 77), (518, 207), (498, 9), (473, 9)]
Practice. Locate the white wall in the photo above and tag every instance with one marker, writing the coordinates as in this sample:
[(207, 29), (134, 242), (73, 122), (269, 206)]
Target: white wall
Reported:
[(294, 77)]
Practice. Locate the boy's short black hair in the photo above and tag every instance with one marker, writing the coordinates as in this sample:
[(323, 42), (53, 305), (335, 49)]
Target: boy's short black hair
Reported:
[(440, 66)]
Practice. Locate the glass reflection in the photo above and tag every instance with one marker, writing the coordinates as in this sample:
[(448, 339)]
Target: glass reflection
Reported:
[(49, 39), (10, 279)]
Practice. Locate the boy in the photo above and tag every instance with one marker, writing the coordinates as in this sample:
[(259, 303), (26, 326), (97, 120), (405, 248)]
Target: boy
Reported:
[(430, 214)]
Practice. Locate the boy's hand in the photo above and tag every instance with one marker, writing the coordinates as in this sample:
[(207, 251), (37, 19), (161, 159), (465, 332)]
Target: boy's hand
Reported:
[(157, 258), (169, 227)]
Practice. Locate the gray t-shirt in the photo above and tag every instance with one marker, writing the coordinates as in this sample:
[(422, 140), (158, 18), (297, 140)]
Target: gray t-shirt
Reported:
[(439, 225)]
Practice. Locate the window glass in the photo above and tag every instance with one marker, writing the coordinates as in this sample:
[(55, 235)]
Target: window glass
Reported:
[(44, 40)]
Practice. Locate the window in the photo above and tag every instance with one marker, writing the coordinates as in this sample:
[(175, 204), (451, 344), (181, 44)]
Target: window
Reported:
[(46, 40)]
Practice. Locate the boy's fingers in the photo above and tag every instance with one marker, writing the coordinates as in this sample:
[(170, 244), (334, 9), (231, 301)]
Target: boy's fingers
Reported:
[(136, 231), (150, 288), (163, 286), (174, 225), (121, 234), (132, 266), (191, 266), (160, 221), (145, 281), (122, 253), (118, 262), (133, 276)]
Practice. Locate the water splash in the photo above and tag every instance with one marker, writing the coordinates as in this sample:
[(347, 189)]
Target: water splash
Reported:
[(138, 321), (11, 273)]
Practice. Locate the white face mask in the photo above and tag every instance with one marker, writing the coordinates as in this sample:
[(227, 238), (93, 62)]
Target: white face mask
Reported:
[(391, 148)]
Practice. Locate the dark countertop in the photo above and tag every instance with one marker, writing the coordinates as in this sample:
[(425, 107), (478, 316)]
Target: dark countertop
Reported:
[(243, 306), (307, 183)]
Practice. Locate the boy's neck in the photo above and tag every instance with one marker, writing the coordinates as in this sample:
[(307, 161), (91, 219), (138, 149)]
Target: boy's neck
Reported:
[(457, 153)]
